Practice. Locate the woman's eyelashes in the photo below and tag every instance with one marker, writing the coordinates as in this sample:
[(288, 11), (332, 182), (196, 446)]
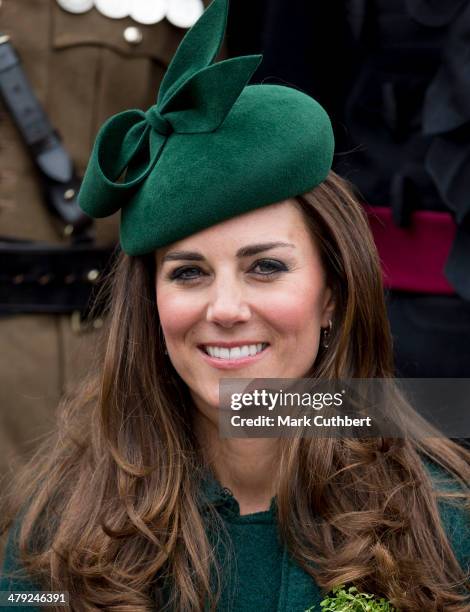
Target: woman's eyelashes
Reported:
[(186, 274), (269, 267), (263, 268)]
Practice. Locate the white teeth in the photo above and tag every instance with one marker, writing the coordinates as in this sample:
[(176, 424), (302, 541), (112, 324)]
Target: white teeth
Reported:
[(237, 352), (244, 351)]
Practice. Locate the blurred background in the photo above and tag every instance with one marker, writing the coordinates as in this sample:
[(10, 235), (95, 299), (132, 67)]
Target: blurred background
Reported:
[(394, 75)]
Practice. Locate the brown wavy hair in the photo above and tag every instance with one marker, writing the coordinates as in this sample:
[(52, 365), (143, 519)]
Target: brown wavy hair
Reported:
[(109, 504)]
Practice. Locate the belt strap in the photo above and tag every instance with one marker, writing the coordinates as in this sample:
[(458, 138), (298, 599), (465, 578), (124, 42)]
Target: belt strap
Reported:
[(58, 177), (40, 278)]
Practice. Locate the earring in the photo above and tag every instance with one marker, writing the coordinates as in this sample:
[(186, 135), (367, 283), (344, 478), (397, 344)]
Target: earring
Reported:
[(325, 335)]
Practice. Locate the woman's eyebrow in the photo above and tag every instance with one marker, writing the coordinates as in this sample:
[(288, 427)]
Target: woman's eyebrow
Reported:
[(246, 251), (254, 249), (186, 255)]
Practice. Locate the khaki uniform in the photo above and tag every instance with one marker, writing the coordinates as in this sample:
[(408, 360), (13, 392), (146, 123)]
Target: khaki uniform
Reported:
[(83, 68)]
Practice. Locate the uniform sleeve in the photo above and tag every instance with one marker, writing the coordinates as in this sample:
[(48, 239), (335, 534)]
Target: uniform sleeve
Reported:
[(454, 516), (13, 577)]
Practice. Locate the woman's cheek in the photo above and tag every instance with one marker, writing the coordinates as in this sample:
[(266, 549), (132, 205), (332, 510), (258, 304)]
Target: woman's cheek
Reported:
[(177, 312), (292, 310)]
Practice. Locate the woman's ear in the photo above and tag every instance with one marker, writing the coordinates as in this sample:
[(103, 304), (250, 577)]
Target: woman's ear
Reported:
[(328, 307)]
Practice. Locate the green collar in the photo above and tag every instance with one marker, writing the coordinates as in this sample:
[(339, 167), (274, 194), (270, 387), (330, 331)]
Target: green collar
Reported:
[(298, 591), (228, 507)]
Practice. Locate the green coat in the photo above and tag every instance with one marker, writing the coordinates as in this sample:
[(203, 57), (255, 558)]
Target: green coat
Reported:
[(263, 577)]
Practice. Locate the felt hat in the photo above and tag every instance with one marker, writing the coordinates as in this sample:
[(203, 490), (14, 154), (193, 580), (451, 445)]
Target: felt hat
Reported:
[(211, 148)]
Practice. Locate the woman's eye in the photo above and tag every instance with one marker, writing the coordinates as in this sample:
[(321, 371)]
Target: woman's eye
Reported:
[(267, 267), (186, 273)]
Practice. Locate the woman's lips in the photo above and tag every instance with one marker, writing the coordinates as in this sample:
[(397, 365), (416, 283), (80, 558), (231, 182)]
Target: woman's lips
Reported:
[(230, 364)]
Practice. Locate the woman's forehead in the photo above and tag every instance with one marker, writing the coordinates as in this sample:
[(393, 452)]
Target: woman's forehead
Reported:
[(282, 222)]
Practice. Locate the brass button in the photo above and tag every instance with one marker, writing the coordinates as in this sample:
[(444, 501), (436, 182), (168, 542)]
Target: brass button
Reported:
[(45, 279), (93, 275), (69, 194), (133, 35)]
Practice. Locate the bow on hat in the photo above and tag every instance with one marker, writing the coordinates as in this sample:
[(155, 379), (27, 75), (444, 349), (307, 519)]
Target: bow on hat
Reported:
[(190, 101)]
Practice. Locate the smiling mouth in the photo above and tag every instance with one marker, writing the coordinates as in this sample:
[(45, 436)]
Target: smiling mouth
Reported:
[(235, 352)]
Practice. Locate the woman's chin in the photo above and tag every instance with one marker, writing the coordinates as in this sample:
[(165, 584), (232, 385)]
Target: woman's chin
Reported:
[(207, 401)]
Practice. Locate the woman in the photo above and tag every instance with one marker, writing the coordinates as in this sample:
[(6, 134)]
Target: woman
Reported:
[(228, 272)]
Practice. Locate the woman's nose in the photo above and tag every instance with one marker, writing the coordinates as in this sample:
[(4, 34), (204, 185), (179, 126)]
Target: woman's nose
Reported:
[(227, 305)]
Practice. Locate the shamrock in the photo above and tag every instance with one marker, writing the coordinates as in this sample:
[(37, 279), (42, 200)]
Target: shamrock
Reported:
[(351, 600)]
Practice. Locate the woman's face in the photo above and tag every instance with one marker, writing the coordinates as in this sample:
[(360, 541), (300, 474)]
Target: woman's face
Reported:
[(246, 298)]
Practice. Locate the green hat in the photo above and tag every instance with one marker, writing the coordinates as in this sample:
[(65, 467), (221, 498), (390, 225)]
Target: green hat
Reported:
[(210, 148)]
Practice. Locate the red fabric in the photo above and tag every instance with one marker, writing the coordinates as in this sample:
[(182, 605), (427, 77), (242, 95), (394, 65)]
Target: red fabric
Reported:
[(413, 258)]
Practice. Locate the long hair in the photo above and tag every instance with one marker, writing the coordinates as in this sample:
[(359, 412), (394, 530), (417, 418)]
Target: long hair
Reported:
[(109, 507)]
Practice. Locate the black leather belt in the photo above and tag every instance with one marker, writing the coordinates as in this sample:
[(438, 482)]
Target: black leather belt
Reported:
[(44, 278)]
